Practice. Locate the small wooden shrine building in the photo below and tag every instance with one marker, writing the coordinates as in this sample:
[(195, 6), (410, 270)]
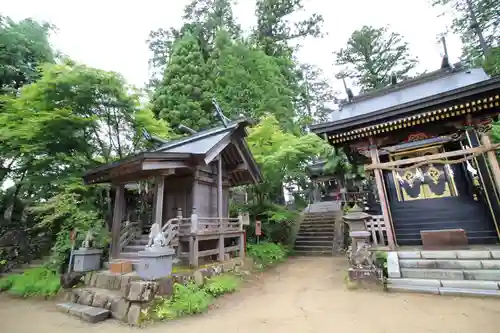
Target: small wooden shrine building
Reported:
[(426, 142), (192, 177)]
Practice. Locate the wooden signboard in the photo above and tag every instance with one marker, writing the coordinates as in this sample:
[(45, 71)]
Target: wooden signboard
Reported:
[(258, 228), (245, 218)]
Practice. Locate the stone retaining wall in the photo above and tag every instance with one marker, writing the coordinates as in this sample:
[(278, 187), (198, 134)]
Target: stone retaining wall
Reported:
[(126, 295)]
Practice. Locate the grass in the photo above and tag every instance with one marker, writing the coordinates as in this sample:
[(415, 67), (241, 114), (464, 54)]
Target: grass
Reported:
[(267, 254), (38, 281), (190, 299)]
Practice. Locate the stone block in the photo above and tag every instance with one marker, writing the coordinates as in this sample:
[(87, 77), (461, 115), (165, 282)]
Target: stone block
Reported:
[(490, 264), (468, 292), (87, 313), (470, 284), (393, 265), (134, 314), (93, 280), (198, 278), (440, 274), (141, 291), (119, 308), (414, 289), (440, 264), (85, 297), (165, 287), (409, 255), (88, 278), (125, 285), (438, 254), (484, 274), (473, 254), (414, 282), (100, 300), (228, 267), (85, 260), (495, 254)]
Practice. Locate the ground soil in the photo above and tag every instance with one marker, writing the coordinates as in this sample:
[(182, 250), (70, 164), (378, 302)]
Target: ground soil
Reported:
[(301, 296)]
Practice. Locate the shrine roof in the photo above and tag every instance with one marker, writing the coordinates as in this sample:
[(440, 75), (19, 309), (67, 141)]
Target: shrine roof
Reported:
[(407, 97), (200, 148)]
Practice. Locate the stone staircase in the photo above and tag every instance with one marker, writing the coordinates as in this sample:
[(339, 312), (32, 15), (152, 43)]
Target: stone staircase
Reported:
[(316, 233), (460, 272), (107, 295)]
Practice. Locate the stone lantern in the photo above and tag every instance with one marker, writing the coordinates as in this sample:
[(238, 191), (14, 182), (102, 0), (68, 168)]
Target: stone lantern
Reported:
[(360, 256)]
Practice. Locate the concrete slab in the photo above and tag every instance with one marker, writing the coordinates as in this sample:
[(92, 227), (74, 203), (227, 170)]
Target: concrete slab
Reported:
[(468, 292), (440, 274), (87, 313), (393, 265), (414, 282), (438, 254), (484, 274), (490, 264), (473, 254), (409, 255), (414, 289), (470, 284), (495, 254)]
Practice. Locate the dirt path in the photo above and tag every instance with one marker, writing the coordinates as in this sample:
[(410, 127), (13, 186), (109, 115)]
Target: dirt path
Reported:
[(304, 295)]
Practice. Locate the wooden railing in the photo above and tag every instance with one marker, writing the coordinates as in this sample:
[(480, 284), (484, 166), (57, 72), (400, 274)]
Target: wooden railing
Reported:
[(129, 231), (377, 228)]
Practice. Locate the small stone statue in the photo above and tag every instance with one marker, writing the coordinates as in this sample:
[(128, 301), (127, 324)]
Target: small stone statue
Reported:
[(156, 238), (88, 240)]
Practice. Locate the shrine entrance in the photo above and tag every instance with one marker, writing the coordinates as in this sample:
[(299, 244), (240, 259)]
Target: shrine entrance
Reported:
[(430, 181)]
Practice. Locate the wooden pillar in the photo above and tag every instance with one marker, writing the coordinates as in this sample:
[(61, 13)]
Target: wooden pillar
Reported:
[(493, 161), (219, 208), (117, 220), (379, 180), (158, 199), (486, 178)]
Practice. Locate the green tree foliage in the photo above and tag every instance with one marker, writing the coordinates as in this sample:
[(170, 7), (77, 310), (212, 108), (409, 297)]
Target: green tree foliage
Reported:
[(248, 82), (282, 156), (185, 93), (24, 47), (72, 118), (487, 16), (372, 55)]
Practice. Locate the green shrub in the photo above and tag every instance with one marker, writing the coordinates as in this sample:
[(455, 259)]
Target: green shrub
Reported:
[(222, 284), (267, 254), (381, 261), (39, 281), (186, 300)]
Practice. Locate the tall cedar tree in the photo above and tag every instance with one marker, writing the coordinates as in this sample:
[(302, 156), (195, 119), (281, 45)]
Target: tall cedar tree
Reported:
[(487, 14), (248, 82), (372, 55), (185, 93)]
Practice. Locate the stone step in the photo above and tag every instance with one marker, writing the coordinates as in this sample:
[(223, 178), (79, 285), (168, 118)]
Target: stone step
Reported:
[(315, 237), (449, 264), (451, 274), (302, 252), (464, 284), (445, 291), (87, 313), (133, 248), (317, 228), (315, 233), (319, 248), (451, 254), (308, 242)]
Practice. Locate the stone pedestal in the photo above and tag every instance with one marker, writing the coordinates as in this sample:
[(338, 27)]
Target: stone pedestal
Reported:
[(85, 260), (156, 264), (361, 261)]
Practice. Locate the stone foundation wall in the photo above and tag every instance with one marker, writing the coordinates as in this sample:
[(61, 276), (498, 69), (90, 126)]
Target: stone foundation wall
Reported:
[(126, 295)]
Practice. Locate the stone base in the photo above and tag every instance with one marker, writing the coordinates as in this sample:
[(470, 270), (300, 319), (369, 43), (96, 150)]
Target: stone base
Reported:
[(439, 239), (364, 274), (87, 313), (155, 265), (85, 260)]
